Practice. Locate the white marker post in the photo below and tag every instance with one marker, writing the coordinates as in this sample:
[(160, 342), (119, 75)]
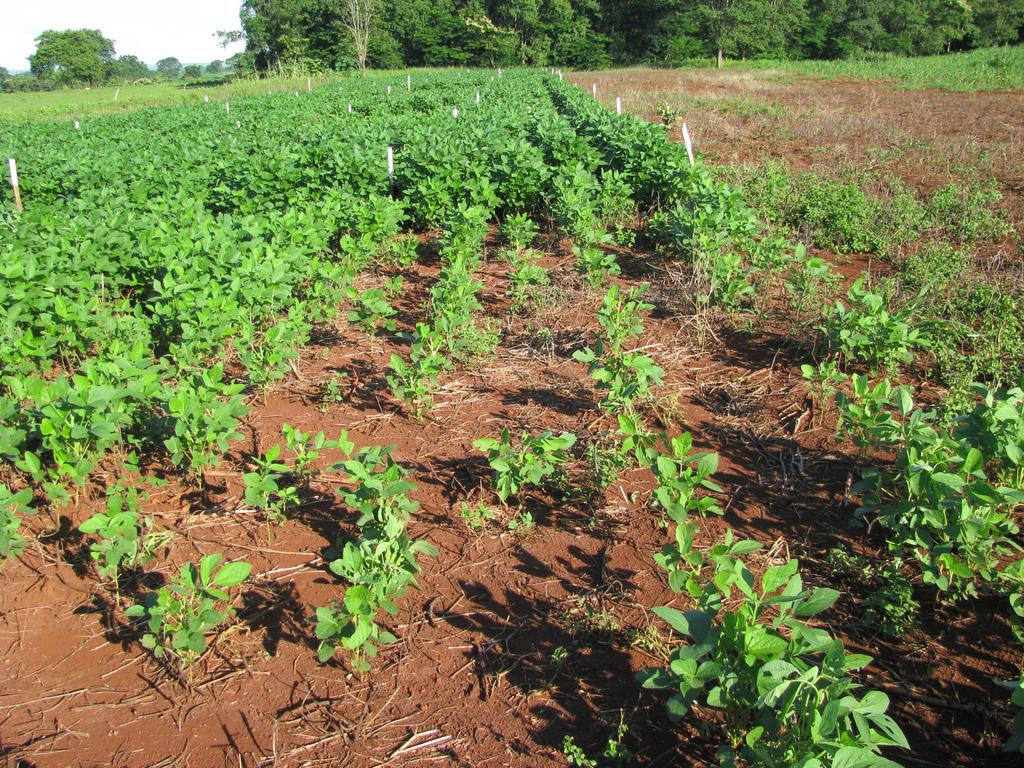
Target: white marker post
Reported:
[(499, 71), (478, 97), (688, 143), (117, 93), (408, 82), (13, 167), (389, 90), (350, 109), (391, 170), (559, 74), (455, 113), (618, 105), (227, 107), (309, 84)]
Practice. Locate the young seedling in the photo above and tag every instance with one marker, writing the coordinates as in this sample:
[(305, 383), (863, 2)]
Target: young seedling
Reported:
[(180, 615)]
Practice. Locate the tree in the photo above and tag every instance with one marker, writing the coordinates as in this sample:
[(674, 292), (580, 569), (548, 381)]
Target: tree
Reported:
[(359, 18), (193, 72), (128, 68), (169, 67), (72, 57), (215, 67)]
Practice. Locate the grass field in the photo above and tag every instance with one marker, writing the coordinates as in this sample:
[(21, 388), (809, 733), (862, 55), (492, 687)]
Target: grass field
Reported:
[(985, 69), (78, 103)]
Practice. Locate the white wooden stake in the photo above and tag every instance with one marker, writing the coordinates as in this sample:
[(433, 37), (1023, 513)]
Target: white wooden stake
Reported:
[(559, 74), (350, 109), (478, 97), (227, 106), (391, 169), (688, 143), (389, 90), (117, 93), (618, 105), (13, 168), (593, 90), (408, 82), (309, 84), (499, 71)]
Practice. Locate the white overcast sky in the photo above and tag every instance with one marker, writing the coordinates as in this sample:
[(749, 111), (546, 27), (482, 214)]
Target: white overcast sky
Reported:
[(145, 28)]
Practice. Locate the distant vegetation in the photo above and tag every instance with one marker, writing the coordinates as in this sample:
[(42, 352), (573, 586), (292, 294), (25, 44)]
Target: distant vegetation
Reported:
[(985, 69), (283, 36), (84, 57)]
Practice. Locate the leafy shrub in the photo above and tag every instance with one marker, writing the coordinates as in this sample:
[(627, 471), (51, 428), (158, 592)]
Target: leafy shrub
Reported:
[(866, 331), (413, 381), (970, 213), (625, 376), (380, 564), (120, 545), (180, 615), (784, 687), (204, 410), (535, 462)]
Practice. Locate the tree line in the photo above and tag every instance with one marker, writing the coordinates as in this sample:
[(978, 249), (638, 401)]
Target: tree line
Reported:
[(288, 35), (84, 57)]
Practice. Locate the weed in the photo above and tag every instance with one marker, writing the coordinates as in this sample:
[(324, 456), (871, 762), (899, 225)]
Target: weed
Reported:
[(477, 515)]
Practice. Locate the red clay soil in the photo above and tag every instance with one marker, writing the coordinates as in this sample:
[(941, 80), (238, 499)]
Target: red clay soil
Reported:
[(513, 641)]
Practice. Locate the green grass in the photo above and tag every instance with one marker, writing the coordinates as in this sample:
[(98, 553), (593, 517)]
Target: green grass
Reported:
[(79, 103), (986, 69)]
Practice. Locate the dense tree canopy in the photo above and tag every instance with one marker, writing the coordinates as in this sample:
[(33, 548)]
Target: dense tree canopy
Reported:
[(310, 34), (72, 57), (169, 67), (128, 68)]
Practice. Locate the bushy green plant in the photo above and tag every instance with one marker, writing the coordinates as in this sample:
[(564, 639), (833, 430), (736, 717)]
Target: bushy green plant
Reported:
[(784, 687), (808, 282), (625, 376), (267, 358), (372, 306), (938, 503), (266, 488), (518, 232), (180, 615), (534, 463), (525, 280), (1016, 741), (124, 538), (380, 564), (970, 213), (413, 380), (867, 414), (680, 474), (204, 410), (866, 331)]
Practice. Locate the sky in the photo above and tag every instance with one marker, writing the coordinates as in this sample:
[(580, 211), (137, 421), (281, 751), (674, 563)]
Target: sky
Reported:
[(144, 28)]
